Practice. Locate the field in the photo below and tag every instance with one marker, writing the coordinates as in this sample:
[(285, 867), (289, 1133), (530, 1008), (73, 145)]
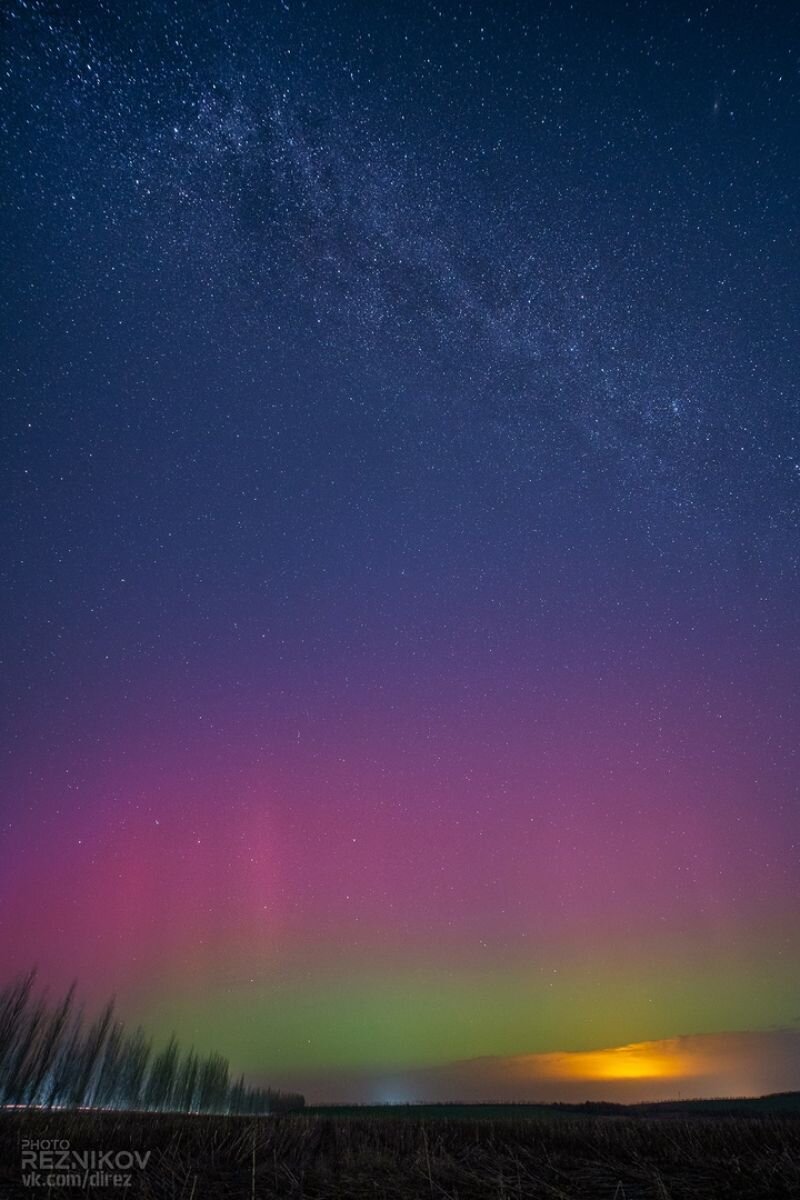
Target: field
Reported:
[(444, 1153)]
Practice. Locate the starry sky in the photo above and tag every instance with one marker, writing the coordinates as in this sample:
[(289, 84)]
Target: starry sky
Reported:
[(402, 463)]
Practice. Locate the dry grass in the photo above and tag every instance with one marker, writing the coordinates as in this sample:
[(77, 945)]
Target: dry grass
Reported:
[(321, 1157)]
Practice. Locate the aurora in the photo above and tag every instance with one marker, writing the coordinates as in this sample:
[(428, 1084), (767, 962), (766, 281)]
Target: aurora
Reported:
[(400, 658)]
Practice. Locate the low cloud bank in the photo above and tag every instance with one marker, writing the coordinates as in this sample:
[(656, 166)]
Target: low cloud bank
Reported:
[(715, 1064)]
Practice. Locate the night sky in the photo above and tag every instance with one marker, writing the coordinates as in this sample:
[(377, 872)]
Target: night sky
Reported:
[(400, 661)]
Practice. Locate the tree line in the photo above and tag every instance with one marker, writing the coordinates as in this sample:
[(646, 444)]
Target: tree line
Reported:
[(54, 1056)]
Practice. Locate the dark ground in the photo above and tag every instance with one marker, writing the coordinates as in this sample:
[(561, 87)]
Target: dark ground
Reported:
[(450, 1152)]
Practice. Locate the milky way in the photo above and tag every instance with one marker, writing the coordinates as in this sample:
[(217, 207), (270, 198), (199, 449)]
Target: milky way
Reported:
[(401, 555)]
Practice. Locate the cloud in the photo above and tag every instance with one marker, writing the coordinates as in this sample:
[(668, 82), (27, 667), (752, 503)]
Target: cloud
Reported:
[(718, 1064)]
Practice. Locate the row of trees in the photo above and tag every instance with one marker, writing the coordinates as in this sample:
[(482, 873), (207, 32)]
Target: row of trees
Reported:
[(52, 1056)]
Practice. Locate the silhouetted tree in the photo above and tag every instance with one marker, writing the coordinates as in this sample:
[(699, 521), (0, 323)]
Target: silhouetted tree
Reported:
[(49, 1048), (89, 1056), (134, 1057), (109, 1073), (66, 1065), (187, 1083), (14, 1002), (212, 1085), (49, 1057), (162, 1079), (22, 1056)]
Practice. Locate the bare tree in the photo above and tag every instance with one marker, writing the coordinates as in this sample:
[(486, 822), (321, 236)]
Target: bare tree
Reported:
[(14, 1002), (110, 1067), (163, 1076), (66, 1064), (49, 1057), (21, 1060), (89, 1057), (134, 1057), (48, 1048), (186, 1088), (213, 1084)]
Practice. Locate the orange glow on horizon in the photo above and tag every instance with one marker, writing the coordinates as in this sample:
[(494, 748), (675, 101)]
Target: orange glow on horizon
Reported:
[(639, 1060)]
